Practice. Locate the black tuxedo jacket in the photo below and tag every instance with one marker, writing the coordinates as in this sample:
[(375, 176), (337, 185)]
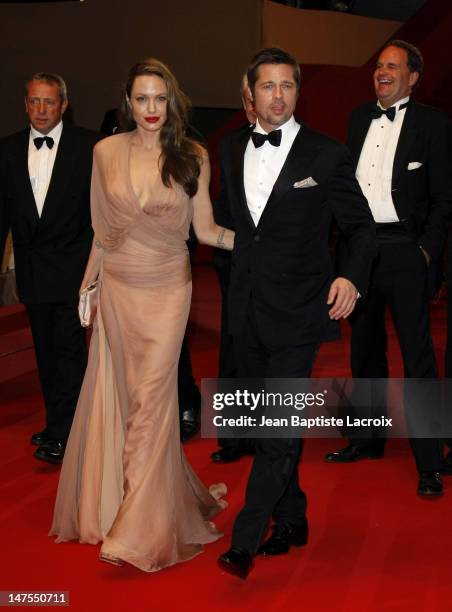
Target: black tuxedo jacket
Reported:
[(422, 196), (284, 262), (50, 251)]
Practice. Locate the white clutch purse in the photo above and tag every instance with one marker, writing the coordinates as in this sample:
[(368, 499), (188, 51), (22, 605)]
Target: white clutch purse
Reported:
[(87, 305)]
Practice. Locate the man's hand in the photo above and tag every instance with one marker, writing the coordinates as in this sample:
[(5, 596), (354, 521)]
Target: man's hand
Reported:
[(343, 294)]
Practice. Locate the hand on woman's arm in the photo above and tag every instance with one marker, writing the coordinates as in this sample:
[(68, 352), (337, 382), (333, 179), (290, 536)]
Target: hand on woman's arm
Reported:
[(207, 231)]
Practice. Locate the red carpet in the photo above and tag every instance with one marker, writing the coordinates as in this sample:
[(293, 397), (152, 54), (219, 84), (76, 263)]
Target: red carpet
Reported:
[(374, 545)]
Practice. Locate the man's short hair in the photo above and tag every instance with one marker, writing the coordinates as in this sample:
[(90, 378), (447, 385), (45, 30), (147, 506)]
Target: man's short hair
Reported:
[(272, 55), (51, 79), (415, 59)]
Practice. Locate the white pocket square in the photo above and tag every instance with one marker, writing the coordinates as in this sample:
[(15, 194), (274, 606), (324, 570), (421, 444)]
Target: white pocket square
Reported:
[(414, 165), (307, 182)]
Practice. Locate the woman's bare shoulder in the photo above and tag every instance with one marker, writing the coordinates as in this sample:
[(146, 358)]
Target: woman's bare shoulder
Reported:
[(111, 143)]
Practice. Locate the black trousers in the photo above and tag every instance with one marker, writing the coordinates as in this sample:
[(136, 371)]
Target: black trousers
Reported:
[(273, 489), (188, 392), (399, 281), (227, 367), (448, 354), (61, 354)]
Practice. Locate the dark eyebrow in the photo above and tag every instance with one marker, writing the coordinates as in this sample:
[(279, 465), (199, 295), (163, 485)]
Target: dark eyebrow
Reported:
[(45, 98), (390, 64), (161, 93), (285, 82)]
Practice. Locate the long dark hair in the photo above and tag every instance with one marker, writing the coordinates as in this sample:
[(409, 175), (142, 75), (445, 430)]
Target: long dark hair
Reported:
[(180, 153)]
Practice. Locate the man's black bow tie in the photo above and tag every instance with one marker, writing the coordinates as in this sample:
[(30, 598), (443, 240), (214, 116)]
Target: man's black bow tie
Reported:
[(390, 112), (274, 138), (40, 140)]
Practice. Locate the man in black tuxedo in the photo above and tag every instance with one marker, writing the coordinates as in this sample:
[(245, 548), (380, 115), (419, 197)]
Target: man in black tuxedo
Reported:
[(285, 184), (401, 153), (45, 174)]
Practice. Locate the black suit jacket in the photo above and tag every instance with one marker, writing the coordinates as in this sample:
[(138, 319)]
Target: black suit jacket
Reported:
[(50, 251), (423, 196), (284, 262)]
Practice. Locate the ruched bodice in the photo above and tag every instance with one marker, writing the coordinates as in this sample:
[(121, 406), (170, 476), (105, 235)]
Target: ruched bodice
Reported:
[(155, 230)]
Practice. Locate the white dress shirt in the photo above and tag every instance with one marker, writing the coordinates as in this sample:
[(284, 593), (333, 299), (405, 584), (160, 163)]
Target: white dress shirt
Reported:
[(375, 166), (40, 163), (262, 166)]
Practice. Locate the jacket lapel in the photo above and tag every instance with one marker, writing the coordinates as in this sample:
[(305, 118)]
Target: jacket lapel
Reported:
[(27, 198), (61, 173), (237, 165), (297, 162), (357, 134), (407, 138)]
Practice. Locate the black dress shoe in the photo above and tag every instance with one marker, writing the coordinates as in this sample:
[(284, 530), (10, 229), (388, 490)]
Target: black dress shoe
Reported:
[(189, 424), (236, 561), (51, 451), (40, 437), (446, 464), (228, 455), (352, 453), (430, 483), (282, 538)]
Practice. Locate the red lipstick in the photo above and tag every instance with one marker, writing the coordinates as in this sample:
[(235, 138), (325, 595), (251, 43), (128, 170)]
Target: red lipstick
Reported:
[(151, 119)]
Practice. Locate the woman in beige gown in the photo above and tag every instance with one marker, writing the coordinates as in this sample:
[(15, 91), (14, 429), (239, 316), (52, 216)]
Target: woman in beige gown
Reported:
[(125, 480)]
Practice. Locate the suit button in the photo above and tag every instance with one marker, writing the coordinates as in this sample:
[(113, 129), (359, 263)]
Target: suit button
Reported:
[(257, 238)]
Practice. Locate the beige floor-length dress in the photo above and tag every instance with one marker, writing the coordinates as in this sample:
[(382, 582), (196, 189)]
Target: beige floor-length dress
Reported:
[(125, 480)]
